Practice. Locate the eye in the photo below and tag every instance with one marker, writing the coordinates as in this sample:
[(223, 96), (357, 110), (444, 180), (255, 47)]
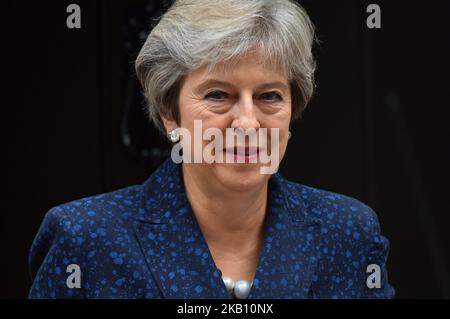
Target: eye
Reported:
[(271, 97), (216, 95)]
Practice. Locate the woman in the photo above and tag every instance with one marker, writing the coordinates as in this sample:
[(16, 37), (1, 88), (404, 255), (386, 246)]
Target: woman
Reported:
[(216, 229)]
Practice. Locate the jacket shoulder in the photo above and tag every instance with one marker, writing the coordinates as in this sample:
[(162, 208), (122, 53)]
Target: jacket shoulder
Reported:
[(350, 241), (99, 216), (110, 205), (340, 215), (72, 232)]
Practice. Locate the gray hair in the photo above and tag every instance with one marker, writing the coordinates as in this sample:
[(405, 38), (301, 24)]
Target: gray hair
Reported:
[(193, 33)]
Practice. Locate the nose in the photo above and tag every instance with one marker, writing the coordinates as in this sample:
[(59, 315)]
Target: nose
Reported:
[(245, 115)]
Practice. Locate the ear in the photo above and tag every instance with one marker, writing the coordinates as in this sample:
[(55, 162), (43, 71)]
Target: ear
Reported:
[(168, 124)]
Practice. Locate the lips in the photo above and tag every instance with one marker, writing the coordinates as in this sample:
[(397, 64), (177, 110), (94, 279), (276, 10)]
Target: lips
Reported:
[(242, 153)]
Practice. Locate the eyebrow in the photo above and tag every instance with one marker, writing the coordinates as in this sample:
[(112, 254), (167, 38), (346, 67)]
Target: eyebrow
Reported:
[(212, 82)]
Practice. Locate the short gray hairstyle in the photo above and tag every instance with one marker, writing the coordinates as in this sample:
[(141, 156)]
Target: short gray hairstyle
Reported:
[(193, 33)]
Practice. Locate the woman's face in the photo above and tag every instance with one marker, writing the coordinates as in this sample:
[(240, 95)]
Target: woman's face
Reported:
[(247, 95)]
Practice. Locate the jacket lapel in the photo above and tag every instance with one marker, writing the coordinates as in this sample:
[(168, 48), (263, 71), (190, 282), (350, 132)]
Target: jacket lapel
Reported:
[(288, 258), (172, 242)]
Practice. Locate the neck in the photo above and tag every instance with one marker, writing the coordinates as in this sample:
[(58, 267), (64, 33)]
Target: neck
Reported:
[(231, 221)]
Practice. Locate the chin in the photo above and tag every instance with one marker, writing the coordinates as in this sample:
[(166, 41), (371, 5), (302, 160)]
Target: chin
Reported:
[(240, 177)]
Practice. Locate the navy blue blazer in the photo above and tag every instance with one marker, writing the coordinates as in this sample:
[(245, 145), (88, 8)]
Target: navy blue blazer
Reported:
[(143, 241)]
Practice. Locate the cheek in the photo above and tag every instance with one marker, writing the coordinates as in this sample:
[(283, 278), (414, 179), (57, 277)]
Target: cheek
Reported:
[(280, 121), (193, 109), (216, 121), (188, 113), (190, 107)]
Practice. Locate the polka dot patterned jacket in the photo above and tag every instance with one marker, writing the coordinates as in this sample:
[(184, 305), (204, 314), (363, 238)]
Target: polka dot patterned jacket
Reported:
[(143, 241)]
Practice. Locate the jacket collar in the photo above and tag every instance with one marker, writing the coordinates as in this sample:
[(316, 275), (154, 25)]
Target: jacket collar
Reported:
[(178, 256)]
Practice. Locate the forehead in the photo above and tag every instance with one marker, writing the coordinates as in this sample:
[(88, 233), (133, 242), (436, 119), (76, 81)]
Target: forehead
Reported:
[(250, 67)]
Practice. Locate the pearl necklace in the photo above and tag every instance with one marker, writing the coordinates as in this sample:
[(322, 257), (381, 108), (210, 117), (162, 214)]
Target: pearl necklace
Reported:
[(239, 289)]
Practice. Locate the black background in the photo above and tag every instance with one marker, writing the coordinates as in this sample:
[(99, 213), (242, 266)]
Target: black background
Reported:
[(377, 128)]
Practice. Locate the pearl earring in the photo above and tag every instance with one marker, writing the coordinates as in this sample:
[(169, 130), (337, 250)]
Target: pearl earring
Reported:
[(174, 135), (289, 134)]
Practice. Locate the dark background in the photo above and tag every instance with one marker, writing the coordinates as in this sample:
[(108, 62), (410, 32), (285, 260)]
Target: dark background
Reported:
[(377, 128)]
